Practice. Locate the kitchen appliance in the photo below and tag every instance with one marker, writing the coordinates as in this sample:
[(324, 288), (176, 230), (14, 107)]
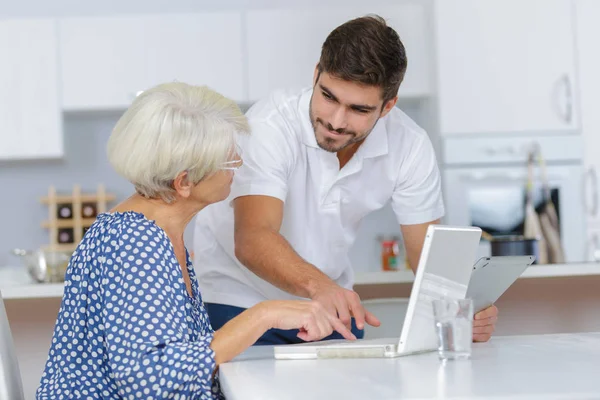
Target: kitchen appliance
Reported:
[(515, 246), (485, 183), (45, 266)]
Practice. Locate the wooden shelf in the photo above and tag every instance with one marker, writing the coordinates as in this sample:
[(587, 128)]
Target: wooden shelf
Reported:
[(85, 198), (66, 247), (68, 223), (75, 226)]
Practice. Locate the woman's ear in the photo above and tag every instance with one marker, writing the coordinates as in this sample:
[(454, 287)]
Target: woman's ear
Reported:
[(182, 185)]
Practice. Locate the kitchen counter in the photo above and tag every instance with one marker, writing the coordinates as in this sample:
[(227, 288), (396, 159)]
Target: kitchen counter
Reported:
[(15, 284), (535, 271), (513, 367)]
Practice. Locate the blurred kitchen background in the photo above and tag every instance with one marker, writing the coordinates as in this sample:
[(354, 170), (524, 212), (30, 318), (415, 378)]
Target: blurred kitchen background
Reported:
[(496, 83), (489, 89)]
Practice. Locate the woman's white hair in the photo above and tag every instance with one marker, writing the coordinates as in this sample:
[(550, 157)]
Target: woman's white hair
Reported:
[(172, 128)]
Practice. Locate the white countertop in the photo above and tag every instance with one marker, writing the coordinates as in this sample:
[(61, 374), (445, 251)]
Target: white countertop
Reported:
[(15, 284), (535, 271), (541, 367)]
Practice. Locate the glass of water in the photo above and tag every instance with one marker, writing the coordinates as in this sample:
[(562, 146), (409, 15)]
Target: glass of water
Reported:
[(454, 327)]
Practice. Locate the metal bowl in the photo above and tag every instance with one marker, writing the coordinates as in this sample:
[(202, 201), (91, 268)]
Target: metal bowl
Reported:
[(45, 266)]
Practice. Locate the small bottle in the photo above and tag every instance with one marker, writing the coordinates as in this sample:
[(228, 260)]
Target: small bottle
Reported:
[(88, 210), (389, 255), (64, 211)]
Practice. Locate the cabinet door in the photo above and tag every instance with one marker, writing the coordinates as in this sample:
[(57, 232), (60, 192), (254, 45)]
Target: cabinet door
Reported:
[(593, 245), (284, 46), (505, 66), (107, 61), (30, 119), (588, 32)]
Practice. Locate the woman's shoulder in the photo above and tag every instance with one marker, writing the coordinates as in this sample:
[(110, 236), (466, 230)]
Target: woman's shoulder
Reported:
[(129, 226), (123, 234)]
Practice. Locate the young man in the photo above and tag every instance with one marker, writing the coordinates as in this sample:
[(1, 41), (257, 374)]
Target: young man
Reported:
[(317, 162)]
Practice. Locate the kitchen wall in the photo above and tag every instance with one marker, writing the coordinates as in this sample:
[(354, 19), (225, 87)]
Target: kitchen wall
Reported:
[(33, 8), (23, 183)]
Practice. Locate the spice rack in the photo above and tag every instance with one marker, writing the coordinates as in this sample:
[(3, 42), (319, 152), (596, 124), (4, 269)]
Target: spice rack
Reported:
[(69, 216)]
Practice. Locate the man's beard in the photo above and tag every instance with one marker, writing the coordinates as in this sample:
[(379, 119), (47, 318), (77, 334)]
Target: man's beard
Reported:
[(329, 144)]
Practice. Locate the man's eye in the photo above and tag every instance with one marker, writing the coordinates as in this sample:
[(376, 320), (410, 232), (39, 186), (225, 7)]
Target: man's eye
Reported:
[(327, 96)]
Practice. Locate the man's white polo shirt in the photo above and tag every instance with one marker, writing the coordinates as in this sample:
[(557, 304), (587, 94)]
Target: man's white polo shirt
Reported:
[(323, 205)]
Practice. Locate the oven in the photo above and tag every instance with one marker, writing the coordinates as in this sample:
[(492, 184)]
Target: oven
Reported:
[(485, 179)]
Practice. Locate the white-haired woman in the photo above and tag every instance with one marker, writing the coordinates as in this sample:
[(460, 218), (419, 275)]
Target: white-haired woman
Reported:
[(132, 323)]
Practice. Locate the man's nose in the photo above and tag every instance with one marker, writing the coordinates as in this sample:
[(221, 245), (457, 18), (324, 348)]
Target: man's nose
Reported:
[(338, 119)]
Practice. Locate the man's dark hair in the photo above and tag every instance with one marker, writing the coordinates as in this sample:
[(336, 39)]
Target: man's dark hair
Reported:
[(365, 50)]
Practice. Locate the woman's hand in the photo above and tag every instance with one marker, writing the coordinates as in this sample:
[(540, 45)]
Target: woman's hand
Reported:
[(310, 317)]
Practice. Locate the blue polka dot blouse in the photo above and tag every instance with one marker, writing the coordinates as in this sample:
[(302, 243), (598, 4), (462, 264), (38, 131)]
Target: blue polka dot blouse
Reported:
[(127, 327)]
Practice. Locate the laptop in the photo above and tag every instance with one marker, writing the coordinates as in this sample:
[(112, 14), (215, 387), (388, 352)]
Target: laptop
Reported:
[(444, 271)]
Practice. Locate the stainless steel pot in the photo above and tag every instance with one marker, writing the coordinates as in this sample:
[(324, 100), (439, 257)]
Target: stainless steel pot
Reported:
[(515, 246), (45, 266)]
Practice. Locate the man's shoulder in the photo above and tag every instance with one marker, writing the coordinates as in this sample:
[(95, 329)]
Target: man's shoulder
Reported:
[(278, 119), (404, 134), (279, 105), (398, 123)]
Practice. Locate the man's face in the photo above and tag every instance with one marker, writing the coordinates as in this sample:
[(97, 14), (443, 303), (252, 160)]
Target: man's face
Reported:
[(342, 112)]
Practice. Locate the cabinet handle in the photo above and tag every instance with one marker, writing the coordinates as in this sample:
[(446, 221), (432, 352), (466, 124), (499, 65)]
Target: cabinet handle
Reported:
[(569, 99), (595, 248), (564, 83), (592, 178)]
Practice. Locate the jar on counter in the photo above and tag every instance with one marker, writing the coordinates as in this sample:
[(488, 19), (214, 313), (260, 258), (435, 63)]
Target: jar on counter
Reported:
[(390, 254)]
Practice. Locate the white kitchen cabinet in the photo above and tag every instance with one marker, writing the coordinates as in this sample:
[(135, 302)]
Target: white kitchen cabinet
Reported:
[(505, 66), (593, 245), (284, 46), (106, 61), (588, 67), (30, 119)]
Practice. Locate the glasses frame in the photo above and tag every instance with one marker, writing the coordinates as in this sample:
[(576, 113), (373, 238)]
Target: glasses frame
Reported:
[(231, 165)]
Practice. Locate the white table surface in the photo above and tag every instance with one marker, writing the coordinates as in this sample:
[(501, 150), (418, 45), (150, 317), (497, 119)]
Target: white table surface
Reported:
[(511, 367)]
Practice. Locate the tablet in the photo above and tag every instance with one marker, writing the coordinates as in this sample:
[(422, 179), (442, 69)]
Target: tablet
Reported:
[(492, 276)]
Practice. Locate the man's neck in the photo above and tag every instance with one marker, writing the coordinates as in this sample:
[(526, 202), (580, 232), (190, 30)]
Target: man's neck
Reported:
[(345, 154)]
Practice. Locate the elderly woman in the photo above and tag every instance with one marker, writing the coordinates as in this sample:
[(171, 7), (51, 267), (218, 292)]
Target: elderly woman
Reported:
[(132, 323)]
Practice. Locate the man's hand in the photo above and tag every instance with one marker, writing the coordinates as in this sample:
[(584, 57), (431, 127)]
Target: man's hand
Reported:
[(344, 304), (484, 324)]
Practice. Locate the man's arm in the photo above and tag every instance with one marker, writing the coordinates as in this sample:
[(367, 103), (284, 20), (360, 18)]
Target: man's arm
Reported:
[(264, 251), (260, 247), (414, 237)]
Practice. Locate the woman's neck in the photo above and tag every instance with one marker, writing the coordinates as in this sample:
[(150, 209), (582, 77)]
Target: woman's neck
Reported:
[(171, 217)]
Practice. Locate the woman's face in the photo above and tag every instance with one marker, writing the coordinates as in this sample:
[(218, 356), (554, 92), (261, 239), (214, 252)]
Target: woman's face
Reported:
[(217, 187)]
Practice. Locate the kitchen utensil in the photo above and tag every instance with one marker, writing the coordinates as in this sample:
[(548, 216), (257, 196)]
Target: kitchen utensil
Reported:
[(515, 245), (45, 266), (549, 218), (533, 228)]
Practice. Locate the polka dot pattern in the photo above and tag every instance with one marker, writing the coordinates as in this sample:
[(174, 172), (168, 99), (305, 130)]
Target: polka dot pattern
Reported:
[(127, 327)]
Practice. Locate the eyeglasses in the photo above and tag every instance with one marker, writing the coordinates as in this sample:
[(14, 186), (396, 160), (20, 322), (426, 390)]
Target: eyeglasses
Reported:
[(233, 165)]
